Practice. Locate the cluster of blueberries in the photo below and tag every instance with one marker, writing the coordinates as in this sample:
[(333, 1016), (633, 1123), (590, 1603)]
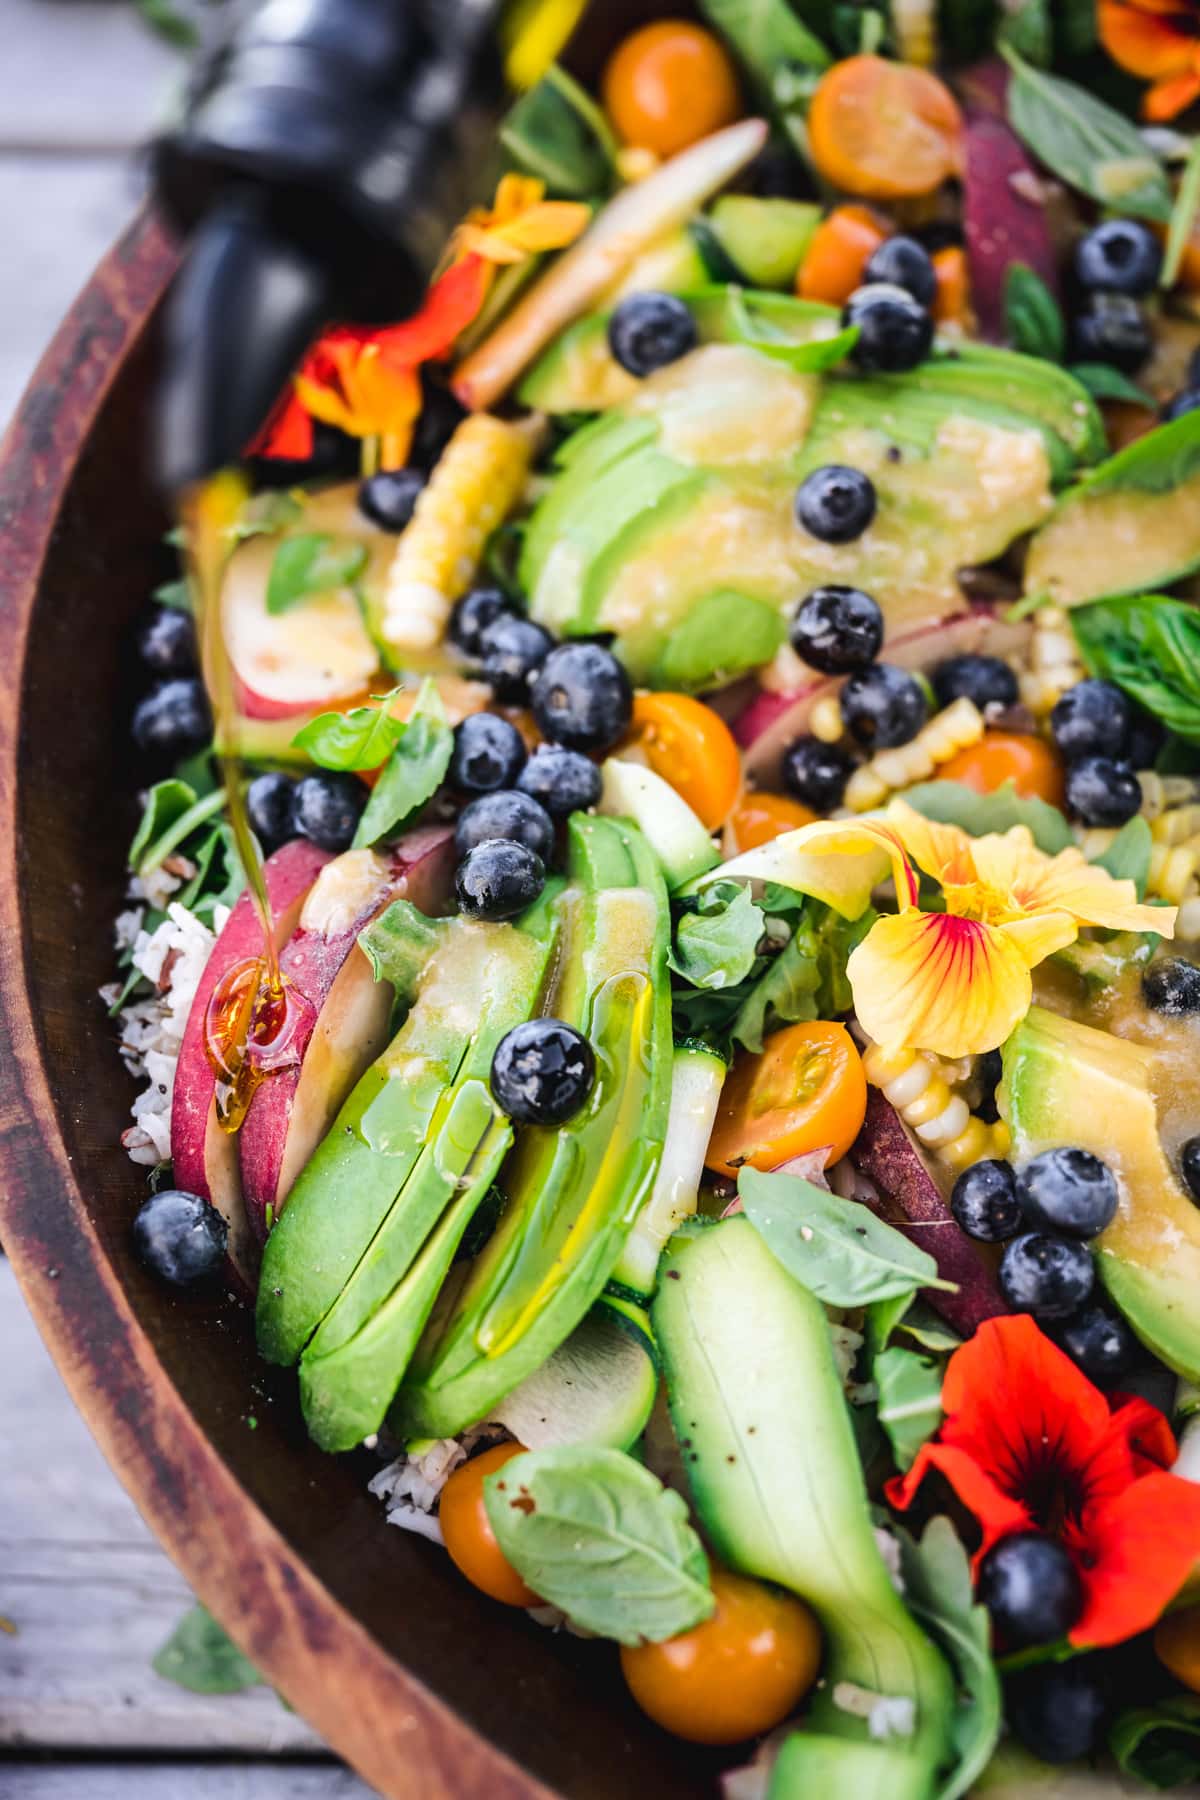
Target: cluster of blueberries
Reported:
[(1117, 265), (1103, 738)]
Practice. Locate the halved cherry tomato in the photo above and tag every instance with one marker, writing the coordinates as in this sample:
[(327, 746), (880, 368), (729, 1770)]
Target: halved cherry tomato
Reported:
[(884, 129), (952, 302), (669, 85), (840, 249), (686, 743), (736, 1674), (760, 818), (1030, 763), (1177, 1646), (805, 1092), (468, 1530)]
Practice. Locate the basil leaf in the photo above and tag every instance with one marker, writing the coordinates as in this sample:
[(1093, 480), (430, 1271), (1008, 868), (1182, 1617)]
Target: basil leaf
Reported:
[(313, 562), (1160, 1744), (412, 774), (1105, 383), (1183, 218), (1086, 143), (166, 802), (1128, 856), (1026, 26), (953, 803), (265, 515), (595, 1533), (1032, 316), (1150, 647), (938, 1589), (558, 133), (766, 36), (200, 1657), (717, 948), (1156, 463), (758, 334), (923, 1325), (363, 738), (910, 1400), (836, 1248)]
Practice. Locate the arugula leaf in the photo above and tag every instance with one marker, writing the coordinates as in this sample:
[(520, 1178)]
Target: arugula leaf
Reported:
[(1105, 383), (1128, 856), (836, 1248), (910, 1400), (758, 334), (312, 562), (1159, 1744), (1183, 218), (766, 36), (717, 946), (1032, 316), (1086, 143), (1150, 647), (363, 738), (953, 803), (166, 802), (595, 1533), (1156, 463), (413, 773), (558, 133), (199, 1656)]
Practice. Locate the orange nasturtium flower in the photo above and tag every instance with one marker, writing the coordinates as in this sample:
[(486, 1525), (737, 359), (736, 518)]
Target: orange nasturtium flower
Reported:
[(1158, 40), (955, 982)]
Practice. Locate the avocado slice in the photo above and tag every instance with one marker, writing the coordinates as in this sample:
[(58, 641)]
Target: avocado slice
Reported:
[(574, 1192), (767, 238), (775, 1477), (1067, 1083)]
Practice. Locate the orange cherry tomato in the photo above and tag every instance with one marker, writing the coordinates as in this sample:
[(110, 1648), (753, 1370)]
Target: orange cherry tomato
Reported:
[(760, 818), (884, 129), (952, 302), (468, 1530), (690, 746), (840, 249), (737, 1674), (669, 85), (1030, 763), (1177, 1646), (805, 1092)]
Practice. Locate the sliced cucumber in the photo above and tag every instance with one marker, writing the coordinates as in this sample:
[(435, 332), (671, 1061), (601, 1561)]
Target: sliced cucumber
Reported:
[(697, 1077), (676, 836), (597, 1388), (671, 266), (766, 238)]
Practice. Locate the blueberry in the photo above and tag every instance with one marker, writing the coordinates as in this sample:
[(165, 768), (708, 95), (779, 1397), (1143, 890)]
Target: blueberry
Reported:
[(167, 641), (1098, 1343), (1185, 401), (563, 781), (649, 330), (984, 1201), (895, 331), (326, 809), (986, 681), (883, 706), (1189, 1163), (1031, 1588), (335, 455), (1068, 1190), (1057, 1710), (388, 497), (489, 753), (816, 773), (989, 1071), (1091, 719), (542, 1072), (837, 629), (471, 617), (179, 1236), (497, 879), (511, 648), (1171, 985), (440, 416), (173, 720), (901, 262), (1111, 328), (1103, 791), (1145, 738), (1120, 256), (1050, 1277), (582, 697), (835, 504), (269, 805), (509, 815)]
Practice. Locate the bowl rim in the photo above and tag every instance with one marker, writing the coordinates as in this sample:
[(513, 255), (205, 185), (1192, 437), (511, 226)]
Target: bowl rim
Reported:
[(398, 1735)]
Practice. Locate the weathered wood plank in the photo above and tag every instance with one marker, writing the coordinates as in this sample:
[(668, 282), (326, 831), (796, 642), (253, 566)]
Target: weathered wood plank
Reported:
[(180, 1781)]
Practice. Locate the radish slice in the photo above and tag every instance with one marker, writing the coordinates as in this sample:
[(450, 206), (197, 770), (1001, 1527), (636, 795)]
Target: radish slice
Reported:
[(1004, 209)]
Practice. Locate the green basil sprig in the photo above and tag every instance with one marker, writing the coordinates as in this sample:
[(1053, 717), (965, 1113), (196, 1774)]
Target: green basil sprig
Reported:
[(312, 562), (362, 738), (413, 772), (1150, 647), (1032, 316)]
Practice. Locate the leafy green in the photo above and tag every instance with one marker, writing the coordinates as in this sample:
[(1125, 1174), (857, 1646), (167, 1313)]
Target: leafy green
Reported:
[(1105, 383), (360, 739), (910, 1399), (595, 1533), (312, 562), (1150, 647), (558, 133), (1159, 1744), (175, 594), (267, 514), (200, 1657), (1183, 218), (759, 334), (413, 773), (836, 1248), (766, 36), (1086, 143), (1026, 25), (716, 947), (1032, 316), (923, 1325), (172, 813), (169, 23), (1128, 856), (953, 803), (1156, 463)]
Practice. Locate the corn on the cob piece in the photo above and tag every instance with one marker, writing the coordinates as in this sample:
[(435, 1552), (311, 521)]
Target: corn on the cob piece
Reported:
[(959, 725), (1178, 826), (473, 488), (1187, 920), (915, 1084), (1173, 869), (785, 673), (1161, 793), (1054, 664), (825, 719), (914, 23)]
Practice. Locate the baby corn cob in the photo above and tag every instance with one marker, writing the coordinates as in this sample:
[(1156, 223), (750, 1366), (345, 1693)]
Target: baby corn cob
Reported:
[(915, 1083), (475, 485), (959, 725)]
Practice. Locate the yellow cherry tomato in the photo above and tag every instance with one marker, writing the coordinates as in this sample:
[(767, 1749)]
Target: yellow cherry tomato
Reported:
[(760, 818), (669, 85), (806, 1091), (1029, 762), (884, 129), (686, 743), (1177, 1646), (468, 1530), (737, 1674)]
